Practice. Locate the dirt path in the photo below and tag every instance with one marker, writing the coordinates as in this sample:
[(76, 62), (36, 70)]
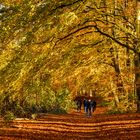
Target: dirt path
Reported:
[(75, 126)]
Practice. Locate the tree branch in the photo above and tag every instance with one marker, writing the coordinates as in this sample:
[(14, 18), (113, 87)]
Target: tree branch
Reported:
[(79, 29), (115, 40)]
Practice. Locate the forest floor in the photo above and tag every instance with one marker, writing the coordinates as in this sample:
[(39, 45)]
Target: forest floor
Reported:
[(74, 126)]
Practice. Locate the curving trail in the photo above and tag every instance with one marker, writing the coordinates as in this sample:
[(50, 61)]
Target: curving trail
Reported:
[(74, 126)]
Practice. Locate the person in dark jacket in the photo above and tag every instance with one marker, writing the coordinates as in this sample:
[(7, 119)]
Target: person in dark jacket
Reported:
[(79, 105), (85, 105), (91, 107), (94, 105)]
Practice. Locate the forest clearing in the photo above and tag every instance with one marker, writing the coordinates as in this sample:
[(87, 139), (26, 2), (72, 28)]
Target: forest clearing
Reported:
[(75, 126)]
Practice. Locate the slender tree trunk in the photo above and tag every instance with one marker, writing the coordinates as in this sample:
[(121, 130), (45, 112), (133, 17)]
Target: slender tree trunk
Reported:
[(137, 81), (115, 92), (137, 59)]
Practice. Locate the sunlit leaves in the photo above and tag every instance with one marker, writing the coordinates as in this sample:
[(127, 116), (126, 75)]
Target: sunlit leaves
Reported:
[(69, 18), (48, 44)]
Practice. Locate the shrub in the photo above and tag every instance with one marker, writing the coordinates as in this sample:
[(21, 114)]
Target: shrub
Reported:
[(8, 117), (63, 100), (125, 106), (104, 103), (50, 101)]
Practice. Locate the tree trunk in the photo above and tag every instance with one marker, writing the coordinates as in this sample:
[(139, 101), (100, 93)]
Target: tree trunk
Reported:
[(137, 80), (137, 59)]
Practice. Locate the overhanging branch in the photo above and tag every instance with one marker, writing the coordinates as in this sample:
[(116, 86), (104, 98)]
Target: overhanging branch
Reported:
[(115, 40), (77, 30)]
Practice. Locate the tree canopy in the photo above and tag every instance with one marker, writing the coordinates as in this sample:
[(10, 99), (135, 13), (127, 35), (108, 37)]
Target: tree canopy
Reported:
[(52, 50)]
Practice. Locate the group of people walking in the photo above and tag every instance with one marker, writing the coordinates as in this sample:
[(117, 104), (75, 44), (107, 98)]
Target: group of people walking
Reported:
[(89, 106)]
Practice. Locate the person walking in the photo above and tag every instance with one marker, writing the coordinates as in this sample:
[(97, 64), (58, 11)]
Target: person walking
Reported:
[(79, 105), (85, 105), (94, 105), (91, 107)]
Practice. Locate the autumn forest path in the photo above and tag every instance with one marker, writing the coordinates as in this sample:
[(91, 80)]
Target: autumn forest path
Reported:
[(75, 126)]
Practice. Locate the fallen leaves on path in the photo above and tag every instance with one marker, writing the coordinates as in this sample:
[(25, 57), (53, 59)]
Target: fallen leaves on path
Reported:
[(74, 126)]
